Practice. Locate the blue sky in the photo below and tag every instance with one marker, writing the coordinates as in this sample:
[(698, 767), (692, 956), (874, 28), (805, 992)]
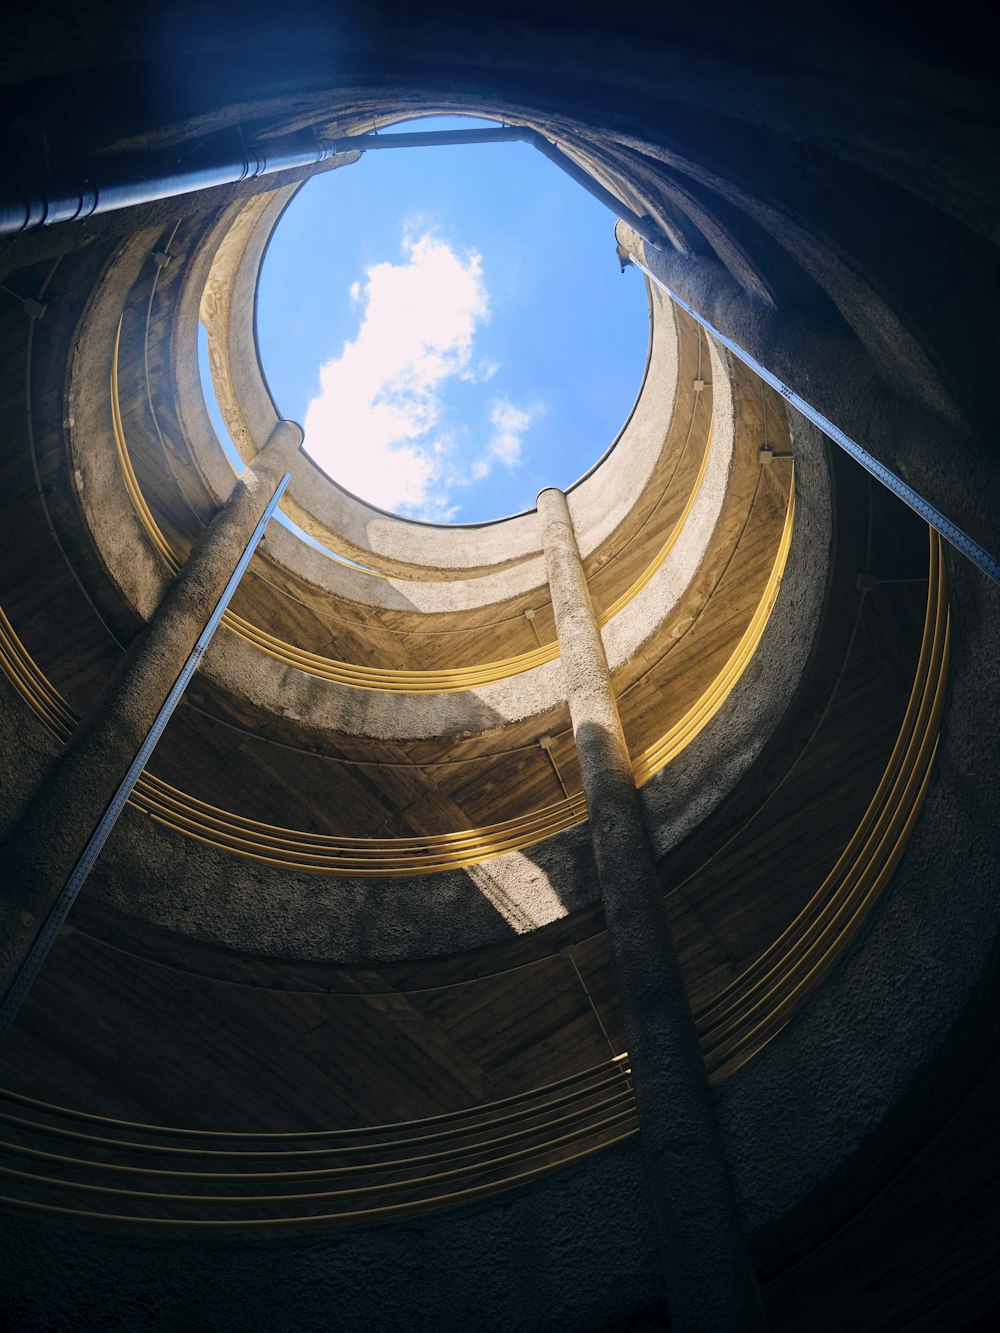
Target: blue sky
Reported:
[(451, 328)]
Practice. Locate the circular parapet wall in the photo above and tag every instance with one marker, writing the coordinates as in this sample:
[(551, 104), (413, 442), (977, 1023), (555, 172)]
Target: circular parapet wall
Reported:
[(668, 518), (281, 679), (600, 502), (844, 1107), (269, 903), (666, 565)]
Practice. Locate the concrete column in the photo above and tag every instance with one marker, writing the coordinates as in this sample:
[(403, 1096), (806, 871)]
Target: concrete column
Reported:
[(709, 1283), (51, 835), (902, 415)]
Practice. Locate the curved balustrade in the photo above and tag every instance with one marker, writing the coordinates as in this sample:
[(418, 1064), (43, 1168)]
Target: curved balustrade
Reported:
[(379, 678), (334, 854), (392, 1171), (747, 1014), (682, 733)]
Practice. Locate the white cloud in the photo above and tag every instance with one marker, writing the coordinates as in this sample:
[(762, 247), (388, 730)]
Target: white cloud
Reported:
[(509, 424), (379, 425)]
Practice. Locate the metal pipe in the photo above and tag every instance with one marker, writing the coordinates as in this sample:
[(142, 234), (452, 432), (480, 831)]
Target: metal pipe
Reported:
[(668, 271), (642, 226), (366, 143), (135, 181), (60, 909), (142, 180)]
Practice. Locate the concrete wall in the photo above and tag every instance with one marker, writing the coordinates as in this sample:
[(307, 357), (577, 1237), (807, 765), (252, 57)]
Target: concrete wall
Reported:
[(241, 905), (841, 173), (575, 1252), (353, 527), (599, 504), (567, 1255), (819, 1104)]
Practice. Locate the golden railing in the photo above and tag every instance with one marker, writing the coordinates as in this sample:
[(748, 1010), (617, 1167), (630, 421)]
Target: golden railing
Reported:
[(361, 676), (746, 1014), (325, 1179), (656, 756), (56, 1166), (335, 854)]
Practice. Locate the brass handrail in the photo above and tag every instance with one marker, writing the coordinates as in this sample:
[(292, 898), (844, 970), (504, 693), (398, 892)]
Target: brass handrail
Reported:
[(540, 1137), (599, 1076), (357, 1217), (656, 756), (432, 681), (742, 1018), (751, 1010), (334, 854)]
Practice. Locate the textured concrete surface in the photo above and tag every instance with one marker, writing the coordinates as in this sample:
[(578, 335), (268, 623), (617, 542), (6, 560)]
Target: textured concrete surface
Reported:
[(680, 796), (187, 400), (808, 1104), (129, 559), (141, 575), (884, 391), (252, 908), (802, 1113), (709, 1284), (566, 1255), (820, 185), (327, 706), (228, 314), (649, 609), (53, 830)]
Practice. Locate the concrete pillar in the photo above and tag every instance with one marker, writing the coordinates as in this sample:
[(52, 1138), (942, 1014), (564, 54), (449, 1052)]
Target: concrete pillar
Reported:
[(902, 416), (709, 1283), (52, 833)]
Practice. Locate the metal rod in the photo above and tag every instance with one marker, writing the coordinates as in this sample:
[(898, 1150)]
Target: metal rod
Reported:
[(145, 180), (569, 953), (948, 529), (46, 936), (643, 226), (365, 143)]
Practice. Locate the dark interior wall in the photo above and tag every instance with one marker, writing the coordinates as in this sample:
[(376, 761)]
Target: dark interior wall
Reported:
[(904, 1031), (836, 163), (831, 160), (568, 1255)]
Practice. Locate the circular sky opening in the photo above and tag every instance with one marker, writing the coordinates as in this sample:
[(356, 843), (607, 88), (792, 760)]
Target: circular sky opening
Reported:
[(451, 327)]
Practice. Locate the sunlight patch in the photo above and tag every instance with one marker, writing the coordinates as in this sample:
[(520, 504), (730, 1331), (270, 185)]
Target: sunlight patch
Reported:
[(381, 425)]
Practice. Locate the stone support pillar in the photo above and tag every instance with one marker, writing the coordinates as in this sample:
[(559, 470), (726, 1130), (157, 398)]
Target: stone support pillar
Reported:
[(878, 388), (52, 833), (709, 1283)]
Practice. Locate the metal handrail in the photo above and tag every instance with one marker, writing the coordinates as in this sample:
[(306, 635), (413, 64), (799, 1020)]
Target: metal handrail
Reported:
[(358, 675), (478, 1116), (754, 1008), (378, 858), (743, 1017), (363, 1216)]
